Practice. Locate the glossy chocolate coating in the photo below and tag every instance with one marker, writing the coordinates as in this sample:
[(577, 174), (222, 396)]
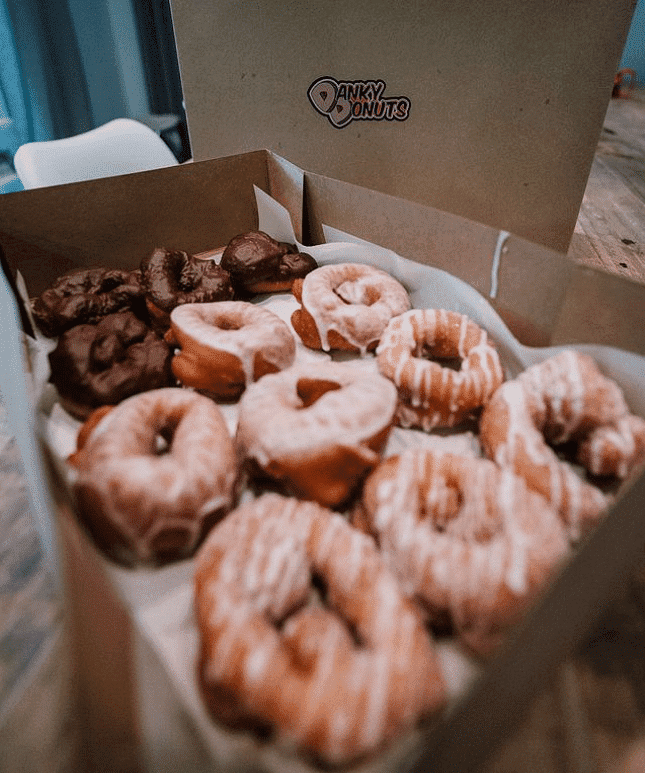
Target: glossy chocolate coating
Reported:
[(172, 278), (85, 296), (102, 364), (254, 259)]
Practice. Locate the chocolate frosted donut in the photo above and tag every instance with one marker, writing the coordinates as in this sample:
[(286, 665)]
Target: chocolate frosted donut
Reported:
[(85, 296), (259, 264), (171, 278), (102, 364)]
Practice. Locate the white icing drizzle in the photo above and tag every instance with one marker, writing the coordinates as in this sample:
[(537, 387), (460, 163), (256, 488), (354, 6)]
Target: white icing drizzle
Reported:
[(498, 535), (273, 424), (239, 328), (346, 701), (354, 300), (143, 494), (430, 394), (497, 259)]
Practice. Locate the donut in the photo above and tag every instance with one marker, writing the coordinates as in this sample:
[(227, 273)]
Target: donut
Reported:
[(614, 450), (171, 278), (315, 433), (84, 296), (346, 306), (468, 540), (258, 263), (563, 400), (102, 364), (431, 393), (154, 475), (227, 345), (305, 635)]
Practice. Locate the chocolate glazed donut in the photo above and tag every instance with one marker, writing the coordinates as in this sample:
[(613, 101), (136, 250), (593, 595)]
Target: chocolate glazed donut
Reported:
[(258, 263), (85, 296), (171, 278), (94, 365)]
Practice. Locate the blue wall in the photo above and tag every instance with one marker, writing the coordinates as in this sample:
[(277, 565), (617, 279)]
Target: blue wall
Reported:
[(634, 51)]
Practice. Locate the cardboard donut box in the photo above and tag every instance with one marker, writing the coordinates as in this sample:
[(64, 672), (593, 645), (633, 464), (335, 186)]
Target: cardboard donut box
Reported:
[(542, 296)]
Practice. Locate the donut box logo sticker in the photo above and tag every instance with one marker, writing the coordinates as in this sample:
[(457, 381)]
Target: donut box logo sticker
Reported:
[(346, 101)]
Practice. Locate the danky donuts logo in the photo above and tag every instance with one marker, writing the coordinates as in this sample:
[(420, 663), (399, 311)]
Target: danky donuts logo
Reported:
[(346, 101)]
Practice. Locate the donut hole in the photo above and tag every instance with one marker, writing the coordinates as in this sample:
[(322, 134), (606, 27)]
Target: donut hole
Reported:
[(444, 356), (357, 293), (229, 324), (310, 390)]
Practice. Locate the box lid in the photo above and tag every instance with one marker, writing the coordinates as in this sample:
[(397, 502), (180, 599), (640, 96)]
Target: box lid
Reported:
[(491, 111)]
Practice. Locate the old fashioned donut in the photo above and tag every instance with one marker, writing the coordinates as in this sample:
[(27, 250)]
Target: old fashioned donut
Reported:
[(171, 278), (563, 400), (258, 263), (102, 364), (85, 296), (305, 634), (470, 541), (431, 393), (346, 306), (227, 345), (316, 433), (154, 475)]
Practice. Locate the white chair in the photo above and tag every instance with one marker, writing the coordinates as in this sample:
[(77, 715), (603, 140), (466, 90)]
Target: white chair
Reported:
[(118, 147)]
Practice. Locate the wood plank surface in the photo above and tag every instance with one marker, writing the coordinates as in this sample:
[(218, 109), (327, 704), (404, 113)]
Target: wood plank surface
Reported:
[(610, 231)]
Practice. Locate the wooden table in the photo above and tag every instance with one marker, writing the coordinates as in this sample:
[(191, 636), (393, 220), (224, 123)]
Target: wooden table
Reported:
[(610, 231)]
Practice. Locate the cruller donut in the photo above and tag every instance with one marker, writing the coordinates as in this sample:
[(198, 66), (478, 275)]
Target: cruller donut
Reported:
[(154, 474), (467, 539), (316, 433), (305, 634), (563, 400), (227, 345), (432, 394), (346, 306)]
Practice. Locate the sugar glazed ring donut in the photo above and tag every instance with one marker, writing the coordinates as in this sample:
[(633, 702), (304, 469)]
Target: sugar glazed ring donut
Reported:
[(346, 306), (171, 278), (258, 263), (467, 539), (227, 345), (432, 394), (335, 676), (102, 364), (154, 475), (563, 400), (316, 433), (84, 296)]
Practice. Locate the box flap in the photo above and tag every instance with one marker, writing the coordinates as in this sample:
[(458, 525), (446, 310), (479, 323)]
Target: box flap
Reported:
[(488, 110)]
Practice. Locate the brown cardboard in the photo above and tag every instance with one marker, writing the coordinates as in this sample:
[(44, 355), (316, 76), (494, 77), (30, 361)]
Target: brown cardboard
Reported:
[(196, 207), (506, 99)]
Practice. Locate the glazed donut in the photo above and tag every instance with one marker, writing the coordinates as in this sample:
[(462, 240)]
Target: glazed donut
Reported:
[(470, 541), (102, 364), (336, 676), (346, 306), (171, 278), (84, 296), (565, 399), (316, 433), (430, 393), (614, 450), (258, 263), (154, 475), (227, 345)]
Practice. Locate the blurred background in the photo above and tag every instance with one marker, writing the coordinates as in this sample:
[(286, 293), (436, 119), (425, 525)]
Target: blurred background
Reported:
[(67, 66)]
